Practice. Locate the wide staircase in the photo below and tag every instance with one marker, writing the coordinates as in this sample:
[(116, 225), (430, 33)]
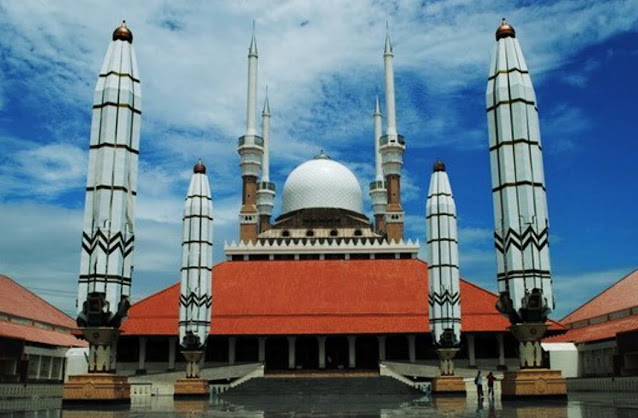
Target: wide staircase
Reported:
[(303, 386)]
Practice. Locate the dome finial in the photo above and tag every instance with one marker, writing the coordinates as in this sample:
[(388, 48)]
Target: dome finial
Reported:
[(322, 156), (199, 168), (438, 165), (505, 30), (123, 33)]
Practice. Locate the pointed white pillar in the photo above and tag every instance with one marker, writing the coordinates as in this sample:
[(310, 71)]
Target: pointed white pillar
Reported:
[(518, 182), (392, 147), (250, 149), (108, 233), (378, 192), (251, 101), (195, 299), (443, 261), (265, 189)]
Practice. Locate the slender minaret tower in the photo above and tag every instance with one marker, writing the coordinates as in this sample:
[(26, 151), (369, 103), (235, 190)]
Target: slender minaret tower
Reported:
[(106, 265), (391, 147), (518, 189), (443, 271), (378, 192), (195, 298), (250, 149), (266, 189)]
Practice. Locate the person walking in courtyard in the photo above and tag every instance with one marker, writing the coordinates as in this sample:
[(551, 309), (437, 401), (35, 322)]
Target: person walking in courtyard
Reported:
[(490, 385), (478, 381)]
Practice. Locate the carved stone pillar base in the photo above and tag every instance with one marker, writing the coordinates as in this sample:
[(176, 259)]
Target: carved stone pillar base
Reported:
[(533, 384), (191, 388), (448, 385), (97, 387)]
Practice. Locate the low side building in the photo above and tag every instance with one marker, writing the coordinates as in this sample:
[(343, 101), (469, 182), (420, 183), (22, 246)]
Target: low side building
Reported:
[(605, 331), (34, 336), (317, 314)]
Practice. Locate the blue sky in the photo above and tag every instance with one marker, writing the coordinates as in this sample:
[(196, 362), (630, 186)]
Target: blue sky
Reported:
[(323, 63)]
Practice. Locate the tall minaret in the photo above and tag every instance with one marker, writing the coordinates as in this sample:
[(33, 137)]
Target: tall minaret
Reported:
[(195, 298), (266, 189), (250, 149), (391, 148), (106, 265), (378, 192), (443, 269), (518, 190)]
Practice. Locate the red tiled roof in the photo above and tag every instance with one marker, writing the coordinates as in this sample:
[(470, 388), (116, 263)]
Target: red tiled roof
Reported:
[(39, 335), (15, 300), (317, 297), (619, 296), (597, 332)]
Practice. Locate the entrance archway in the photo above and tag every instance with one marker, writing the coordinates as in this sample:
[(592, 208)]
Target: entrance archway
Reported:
[(276, 353), (307, 352), (367, 352)]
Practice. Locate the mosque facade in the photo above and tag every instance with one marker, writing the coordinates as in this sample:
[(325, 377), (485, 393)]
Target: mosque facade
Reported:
[(322, 286)]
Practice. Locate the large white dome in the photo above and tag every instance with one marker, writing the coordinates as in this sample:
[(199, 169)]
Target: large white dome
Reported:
[(322, 183)]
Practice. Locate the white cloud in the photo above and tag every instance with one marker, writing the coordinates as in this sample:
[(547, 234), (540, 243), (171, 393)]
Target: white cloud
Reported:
[(322, 62)]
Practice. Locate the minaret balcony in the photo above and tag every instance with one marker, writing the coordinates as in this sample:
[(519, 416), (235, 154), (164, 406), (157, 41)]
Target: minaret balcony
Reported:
[(266, 185), (396, 140), (250, 141)]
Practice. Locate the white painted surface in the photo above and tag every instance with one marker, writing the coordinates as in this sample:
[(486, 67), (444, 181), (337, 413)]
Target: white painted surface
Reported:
[(443, 258), (322, 183), (520, 204)]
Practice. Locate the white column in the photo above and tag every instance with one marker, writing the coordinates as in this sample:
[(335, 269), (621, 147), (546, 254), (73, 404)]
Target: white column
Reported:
[(39, 368), (470, 350), (141, 364), (172, 343), (501, 350), (262, 349), (231, 350), (381, 339), (412, 348), (291, 352), (322, 351), (352, 359)]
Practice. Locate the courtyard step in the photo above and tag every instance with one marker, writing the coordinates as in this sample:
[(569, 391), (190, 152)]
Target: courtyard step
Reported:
[(313, 386)]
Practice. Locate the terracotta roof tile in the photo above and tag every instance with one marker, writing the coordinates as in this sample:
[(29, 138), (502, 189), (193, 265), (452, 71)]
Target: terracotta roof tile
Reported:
[(621, 295), (317, 297), (20, 302), (597, 332), (39, 335)]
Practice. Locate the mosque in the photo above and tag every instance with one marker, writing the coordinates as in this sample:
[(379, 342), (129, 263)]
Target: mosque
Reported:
[(321, 286)]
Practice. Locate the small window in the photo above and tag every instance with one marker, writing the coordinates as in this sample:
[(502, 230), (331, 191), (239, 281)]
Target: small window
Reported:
[(310, 233), (357, 233), (334, 233), (286, 233)]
